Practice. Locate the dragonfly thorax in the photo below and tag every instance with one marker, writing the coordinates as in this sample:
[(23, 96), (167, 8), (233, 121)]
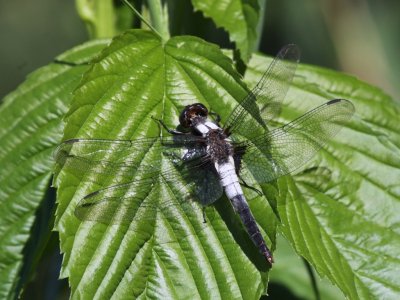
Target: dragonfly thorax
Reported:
[(218, 147)]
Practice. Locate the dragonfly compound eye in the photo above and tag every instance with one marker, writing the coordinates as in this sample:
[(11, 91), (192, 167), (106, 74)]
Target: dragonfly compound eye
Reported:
[(192, 112)]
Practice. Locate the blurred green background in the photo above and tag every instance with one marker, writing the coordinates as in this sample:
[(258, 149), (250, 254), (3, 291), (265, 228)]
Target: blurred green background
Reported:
[(32, 33), (361, 37)]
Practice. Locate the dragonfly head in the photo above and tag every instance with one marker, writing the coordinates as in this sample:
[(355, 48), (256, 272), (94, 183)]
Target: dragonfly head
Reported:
[(192, 115)]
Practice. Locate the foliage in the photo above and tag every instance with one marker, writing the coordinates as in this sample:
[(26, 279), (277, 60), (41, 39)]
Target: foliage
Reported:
[(339, 213), (30, 127)]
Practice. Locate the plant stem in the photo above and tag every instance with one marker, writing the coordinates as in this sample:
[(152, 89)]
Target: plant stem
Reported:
[(260, 24), (99, 17), (313, 279), (142, 19), (159, 17)]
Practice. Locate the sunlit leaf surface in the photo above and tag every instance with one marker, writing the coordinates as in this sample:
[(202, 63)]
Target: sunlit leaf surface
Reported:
[(339, 212), (182, 258), (342, 212)]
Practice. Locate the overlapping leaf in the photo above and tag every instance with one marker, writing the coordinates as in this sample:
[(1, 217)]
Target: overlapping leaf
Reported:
[(341, 213), (237, 17), (30, 126)]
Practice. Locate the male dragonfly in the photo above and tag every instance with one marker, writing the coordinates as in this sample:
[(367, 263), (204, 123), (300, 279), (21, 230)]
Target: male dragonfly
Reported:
[(211, 159)]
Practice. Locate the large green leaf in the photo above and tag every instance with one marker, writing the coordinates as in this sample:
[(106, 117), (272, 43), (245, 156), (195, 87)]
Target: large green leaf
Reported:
[(135, 78), (341, 213), (30, 126), (238, 17)]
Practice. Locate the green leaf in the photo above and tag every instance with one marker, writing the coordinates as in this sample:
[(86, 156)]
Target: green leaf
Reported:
[(137, 77), (341, 212), (30, 126), (291, 272), (238, 17)]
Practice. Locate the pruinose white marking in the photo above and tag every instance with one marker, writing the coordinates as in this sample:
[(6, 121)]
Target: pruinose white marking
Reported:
[(226, 171), (211, 125), (205, 127), (229, 179)]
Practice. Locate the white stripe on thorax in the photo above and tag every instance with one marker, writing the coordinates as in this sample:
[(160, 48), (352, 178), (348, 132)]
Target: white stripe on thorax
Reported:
[(228, 178), (211, 125), (205, 127)]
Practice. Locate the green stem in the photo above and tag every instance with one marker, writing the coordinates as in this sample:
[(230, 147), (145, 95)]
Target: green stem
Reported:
[(313, 279), (260, 24), (99, 17), (142, 19), (159, 18)]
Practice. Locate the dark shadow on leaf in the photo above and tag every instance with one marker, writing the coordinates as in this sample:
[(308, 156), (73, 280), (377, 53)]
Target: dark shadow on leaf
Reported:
[(279, 291), (233, 223), (39, 237)]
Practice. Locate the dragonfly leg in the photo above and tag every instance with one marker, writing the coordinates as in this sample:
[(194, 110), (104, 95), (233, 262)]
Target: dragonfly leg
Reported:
[(242, 182), (204, 215), (217, 117), (171, 131)]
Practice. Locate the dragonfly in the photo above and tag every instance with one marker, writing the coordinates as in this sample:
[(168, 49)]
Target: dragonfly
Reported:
[(200, 159)]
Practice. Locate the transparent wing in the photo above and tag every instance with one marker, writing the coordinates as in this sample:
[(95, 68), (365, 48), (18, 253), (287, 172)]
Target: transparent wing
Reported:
[(263, 103), (139, 167), (141, 203), (113, 157), (122, 203), (285, 149)]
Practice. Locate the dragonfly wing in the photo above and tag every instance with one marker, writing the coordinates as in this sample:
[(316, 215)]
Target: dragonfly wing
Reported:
[(119, 204), (140, 204), (285, 149), (263, 103), (119, 160), (116, 161), (147, 177)]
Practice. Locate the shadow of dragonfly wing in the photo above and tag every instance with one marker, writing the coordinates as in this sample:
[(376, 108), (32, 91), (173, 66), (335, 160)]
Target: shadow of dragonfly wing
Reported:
[(263, 103), (285, 149)]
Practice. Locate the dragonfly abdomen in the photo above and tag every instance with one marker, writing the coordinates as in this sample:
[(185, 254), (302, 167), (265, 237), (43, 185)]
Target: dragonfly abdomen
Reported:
[(228, 178), (242, 208), (230, 182)]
